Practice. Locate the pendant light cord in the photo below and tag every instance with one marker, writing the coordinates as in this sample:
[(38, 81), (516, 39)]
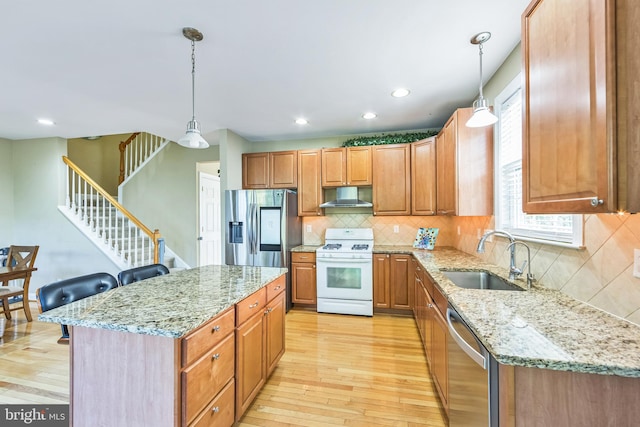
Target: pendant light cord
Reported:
[(193, 80), (480, 53)]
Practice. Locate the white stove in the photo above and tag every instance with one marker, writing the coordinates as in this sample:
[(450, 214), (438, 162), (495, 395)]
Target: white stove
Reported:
[(344, 268)]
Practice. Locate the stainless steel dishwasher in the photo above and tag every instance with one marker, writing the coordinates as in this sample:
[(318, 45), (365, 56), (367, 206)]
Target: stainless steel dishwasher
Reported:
[(473, 377)]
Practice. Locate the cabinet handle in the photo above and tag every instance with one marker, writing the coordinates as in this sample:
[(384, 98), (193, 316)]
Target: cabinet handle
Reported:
[(429, 305), (596, 202), (254, 305), (277, 287), (215, 356), (215, 329), (314, 266), (215, 409)]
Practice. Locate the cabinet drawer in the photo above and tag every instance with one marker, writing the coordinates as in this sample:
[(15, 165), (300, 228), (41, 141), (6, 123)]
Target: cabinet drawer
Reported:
[(440, 300), (303, 257), (204, 379), (276, 287), (250, 305), (208, 335), (220, 412)]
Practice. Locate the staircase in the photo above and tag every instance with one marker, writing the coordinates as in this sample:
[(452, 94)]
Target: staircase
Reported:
[(114, 230)]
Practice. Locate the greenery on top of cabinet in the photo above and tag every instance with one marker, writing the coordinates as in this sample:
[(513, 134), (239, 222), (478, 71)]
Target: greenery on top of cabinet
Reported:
[(404, 138)]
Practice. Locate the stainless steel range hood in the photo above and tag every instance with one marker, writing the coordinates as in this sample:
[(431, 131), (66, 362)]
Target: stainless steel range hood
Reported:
[(346, 197)]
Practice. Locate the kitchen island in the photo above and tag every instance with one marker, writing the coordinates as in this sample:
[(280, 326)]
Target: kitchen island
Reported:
[(162, 351)]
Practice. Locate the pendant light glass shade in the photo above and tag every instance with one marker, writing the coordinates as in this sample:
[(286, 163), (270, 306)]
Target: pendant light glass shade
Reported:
[(193, 138), (482, 115)]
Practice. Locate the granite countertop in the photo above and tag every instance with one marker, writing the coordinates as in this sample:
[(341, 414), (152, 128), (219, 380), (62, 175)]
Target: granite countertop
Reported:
[(540, 327), (171, 305), (305, 248)]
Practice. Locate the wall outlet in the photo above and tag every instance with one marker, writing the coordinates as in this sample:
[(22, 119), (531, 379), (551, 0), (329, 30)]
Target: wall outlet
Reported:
[(636, 263), (396, 228), (309, 228), (458, 230)]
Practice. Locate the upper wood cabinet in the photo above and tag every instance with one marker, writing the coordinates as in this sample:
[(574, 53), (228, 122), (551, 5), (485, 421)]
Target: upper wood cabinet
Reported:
[(464, 167), (346, 166), (309, 188), (277, 169), (581, 97), (392, 179), (423, 177)]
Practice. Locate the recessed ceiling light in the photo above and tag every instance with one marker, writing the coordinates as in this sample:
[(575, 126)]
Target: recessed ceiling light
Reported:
[(302, 121), (369, 116), (46, 122), (400, 92)]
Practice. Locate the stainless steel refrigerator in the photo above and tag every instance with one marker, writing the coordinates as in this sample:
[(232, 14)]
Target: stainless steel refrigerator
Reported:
[(261, 227)]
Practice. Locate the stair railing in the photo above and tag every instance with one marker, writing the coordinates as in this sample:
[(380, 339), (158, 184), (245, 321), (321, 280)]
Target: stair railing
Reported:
[(109, 221), (135, 150)]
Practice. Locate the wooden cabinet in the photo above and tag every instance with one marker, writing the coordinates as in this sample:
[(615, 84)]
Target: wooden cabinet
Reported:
[(391, 285), (277, 169), (423, 177), (581, 97), (259, 340), (392, 179), (429, 313), (303, 278), (309, 186), (464, 167), (346, 166)]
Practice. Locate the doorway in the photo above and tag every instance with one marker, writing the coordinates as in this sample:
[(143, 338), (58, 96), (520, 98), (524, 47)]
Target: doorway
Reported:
[(209, 232)]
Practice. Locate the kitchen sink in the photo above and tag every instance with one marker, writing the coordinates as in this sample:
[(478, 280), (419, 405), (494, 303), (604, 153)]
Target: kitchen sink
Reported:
[(480, 280)]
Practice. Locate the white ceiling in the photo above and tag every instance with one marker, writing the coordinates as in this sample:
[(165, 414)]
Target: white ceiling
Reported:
[(118, 66)]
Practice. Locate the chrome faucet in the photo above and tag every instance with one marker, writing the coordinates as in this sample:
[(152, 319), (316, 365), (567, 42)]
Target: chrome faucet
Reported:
[(530, 278), (514, 271)]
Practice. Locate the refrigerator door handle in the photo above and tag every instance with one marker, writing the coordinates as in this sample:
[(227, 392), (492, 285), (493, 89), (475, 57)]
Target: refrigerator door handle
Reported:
[(254, 228)]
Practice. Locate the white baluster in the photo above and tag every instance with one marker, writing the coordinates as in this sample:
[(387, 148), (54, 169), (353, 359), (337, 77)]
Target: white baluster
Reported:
[(135, 246), (67, 201), (110, 228), (72, 176), (91, 210)]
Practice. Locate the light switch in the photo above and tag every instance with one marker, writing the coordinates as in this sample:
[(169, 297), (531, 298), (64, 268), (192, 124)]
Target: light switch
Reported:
[(636, 263), (308, 228), (396, 228)]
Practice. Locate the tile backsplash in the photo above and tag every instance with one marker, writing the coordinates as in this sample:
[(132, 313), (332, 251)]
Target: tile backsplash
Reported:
[(600, 274), (383, 227)]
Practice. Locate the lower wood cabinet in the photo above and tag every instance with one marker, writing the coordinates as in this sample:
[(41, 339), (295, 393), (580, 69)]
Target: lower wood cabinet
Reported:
[(303, 278), (259, 341), (392, 281), (429, 312)]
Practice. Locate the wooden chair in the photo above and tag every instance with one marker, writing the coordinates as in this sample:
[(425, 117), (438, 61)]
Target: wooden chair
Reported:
[(20, 257)]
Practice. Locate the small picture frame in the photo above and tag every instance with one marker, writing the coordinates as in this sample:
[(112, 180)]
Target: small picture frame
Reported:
[(426, 238)]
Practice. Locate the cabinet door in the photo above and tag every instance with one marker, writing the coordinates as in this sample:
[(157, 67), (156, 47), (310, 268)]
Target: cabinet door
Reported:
[(283, 169), (568, 97), (303, 283), (423, 177), (400, 287), (359, 171), (392, 179), (334, 167), (275, 332), (309, 186), (439, 367), (255, 170), (381, 281), (250, 366), (446, 168)]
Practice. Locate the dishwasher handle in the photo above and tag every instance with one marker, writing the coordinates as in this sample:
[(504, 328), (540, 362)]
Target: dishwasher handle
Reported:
[(479, 358)]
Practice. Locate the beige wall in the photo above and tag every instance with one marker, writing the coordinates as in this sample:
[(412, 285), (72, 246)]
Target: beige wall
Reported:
[(163, 195), (99, 158)]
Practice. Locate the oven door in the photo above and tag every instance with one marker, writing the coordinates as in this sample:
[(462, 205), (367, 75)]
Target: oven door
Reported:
[(344, 278)]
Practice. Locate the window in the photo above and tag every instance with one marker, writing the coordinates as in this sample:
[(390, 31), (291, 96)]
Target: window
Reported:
[(552, 229)]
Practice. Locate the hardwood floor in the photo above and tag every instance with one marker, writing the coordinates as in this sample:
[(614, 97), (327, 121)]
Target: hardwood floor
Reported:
[(337, 371)]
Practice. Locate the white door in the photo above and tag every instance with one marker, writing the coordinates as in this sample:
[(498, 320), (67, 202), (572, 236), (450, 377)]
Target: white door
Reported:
[(210, 220)]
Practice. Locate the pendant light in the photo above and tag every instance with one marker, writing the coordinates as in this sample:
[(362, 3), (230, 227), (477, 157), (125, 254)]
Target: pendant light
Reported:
[(482, 116), (193, 138)]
